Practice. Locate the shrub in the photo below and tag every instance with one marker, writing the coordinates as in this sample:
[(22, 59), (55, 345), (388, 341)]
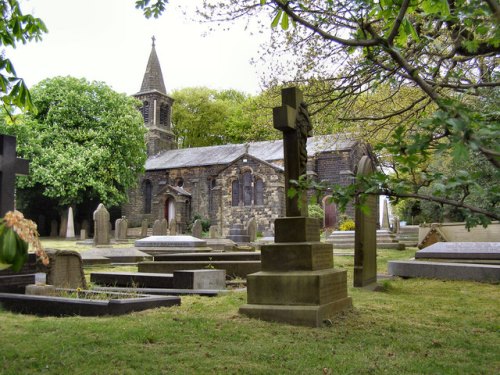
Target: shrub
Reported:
[(315, 211)]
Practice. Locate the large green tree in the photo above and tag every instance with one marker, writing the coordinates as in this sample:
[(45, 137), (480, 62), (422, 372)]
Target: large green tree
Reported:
[(424, 72), (85, 142), (205, 117)]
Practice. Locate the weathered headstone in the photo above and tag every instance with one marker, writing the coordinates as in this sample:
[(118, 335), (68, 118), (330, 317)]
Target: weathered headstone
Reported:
[(160, 227), (83, 234), (101, 226), (70, 227), (65, 269), (10, 167), (365, 236), (297, 284), (157, 228), (121, 228), (252, 229), (213, 232), (172, 226), (144, 228), (197, 229)]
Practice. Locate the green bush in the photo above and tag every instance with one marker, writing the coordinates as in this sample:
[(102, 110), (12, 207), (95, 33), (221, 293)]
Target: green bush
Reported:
[(315, 211)]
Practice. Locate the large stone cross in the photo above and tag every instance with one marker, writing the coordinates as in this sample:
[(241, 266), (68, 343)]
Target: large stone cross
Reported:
[(292, 119), (10, 166)]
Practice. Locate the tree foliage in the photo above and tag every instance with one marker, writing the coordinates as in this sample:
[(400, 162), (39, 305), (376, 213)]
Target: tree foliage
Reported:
[(15, 27), (84, 142), (425, 73), (205, 117)]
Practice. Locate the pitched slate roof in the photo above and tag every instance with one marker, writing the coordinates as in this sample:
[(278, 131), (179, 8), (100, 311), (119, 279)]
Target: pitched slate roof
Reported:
[(218, 155)]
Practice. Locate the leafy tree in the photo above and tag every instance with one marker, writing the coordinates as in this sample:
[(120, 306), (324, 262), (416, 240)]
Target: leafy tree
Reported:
[(84, 142), (423, 72), (205, 117), (15, 27)]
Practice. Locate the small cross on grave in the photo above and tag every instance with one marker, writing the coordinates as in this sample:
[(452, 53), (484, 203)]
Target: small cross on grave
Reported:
[(10, 166), (293, 120)]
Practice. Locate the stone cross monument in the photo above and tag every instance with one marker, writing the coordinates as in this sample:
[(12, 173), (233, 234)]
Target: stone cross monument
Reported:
[(297, 284), (10, 166), (292, 119)]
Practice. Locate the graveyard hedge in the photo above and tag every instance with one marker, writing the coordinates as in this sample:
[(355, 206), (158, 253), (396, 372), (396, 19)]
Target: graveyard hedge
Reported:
[(85, 142)]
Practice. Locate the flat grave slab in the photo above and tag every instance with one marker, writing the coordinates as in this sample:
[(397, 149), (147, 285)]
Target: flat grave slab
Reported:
[(233, 268), (170, 241), (63, 306), (444, 271), (133, 279), (166, 292), (207, 256), (461, 251), (115, 255)]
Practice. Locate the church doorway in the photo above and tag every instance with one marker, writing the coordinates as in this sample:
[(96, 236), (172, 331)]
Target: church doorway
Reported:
[(169, 209), (330, 213)]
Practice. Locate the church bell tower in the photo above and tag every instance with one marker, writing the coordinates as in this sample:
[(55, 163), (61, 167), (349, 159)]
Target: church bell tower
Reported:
[(156, 107)]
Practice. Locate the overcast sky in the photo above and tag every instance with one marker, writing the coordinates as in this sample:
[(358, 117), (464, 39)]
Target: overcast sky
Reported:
[(110, 41)]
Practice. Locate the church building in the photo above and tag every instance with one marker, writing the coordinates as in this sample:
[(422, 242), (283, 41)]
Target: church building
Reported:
[(226, 184)]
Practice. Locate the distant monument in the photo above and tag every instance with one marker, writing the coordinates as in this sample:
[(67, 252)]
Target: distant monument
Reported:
[(297, 284)]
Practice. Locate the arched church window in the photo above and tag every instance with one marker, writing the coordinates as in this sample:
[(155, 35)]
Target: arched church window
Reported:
[(259, 192), (164, 114), (148, 195), (145, 111), (235, 194), (247, 188)]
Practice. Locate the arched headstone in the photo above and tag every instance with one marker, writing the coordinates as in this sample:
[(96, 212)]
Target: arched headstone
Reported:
[(330, 213), (252, 229), (197, 229), (101, 226), (144, 228), (172, 226)]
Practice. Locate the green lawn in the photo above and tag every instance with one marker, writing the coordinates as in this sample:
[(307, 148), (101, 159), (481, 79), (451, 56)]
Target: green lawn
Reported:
[(412, 327)]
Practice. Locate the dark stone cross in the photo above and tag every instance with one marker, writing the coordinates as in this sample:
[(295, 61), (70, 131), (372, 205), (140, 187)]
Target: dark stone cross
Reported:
[(10, 166), (293, 120)]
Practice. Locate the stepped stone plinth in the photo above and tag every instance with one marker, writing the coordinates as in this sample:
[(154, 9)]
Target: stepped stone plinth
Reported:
[(297, 283)]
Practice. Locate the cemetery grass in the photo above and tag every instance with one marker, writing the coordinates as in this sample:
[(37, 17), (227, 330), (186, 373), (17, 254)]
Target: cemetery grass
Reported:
[(412, 327)]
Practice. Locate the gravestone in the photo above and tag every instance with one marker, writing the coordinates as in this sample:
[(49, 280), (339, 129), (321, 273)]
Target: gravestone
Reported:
[(101, 226), (70, 228), (10, 167), (65, 269), (157, 228), (121, 228), (160, 227), (197, 229), (252, 229), (144, 228), (297, 284), (172, 226), (213, 232), (83, 234), (365, 234)]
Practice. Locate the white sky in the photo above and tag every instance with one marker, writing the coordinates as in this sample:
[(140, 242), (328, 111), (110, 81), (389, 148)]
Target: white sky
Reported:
[(110, 41)]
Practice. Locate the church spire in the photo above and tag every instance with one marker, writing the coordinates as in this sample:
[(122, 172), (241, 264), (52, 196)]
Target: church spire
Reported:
[(153, 78)]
